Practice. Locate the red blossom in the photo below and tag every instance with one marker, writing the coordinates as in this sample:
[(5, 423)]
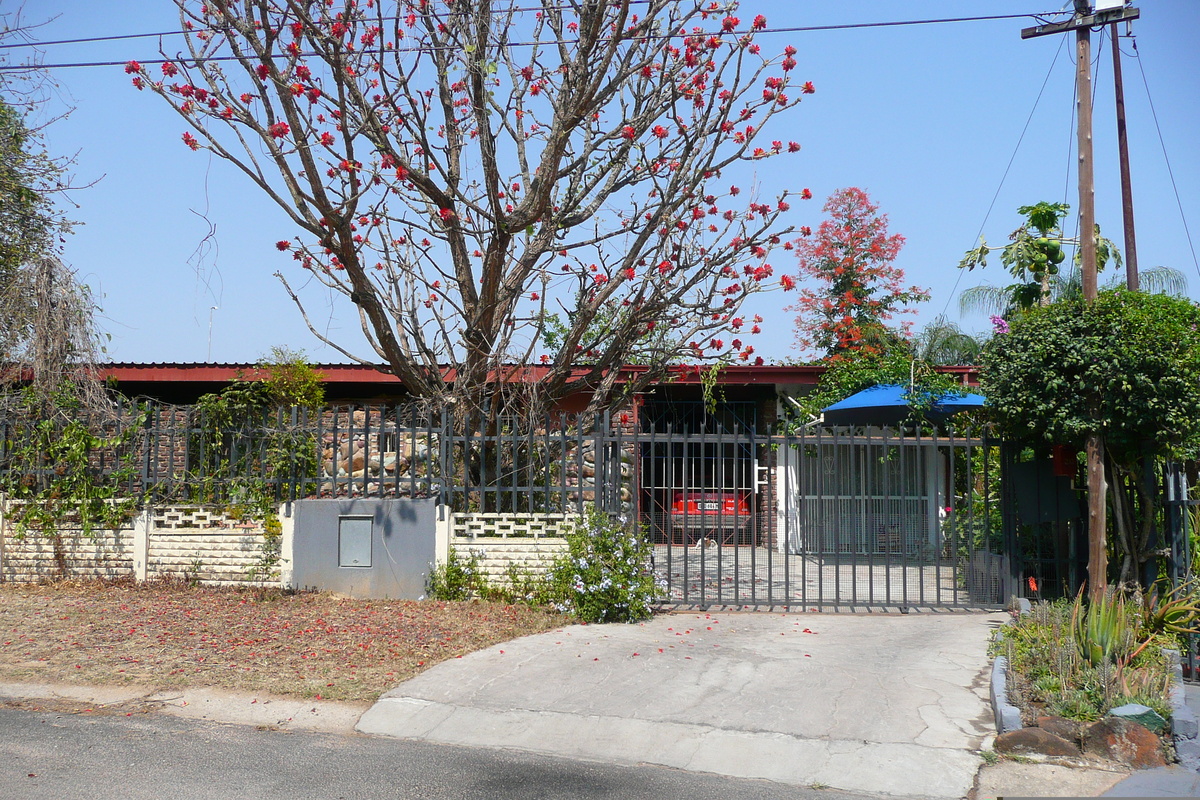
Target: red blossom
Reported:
[(807, 88), (806, 194), (760, 22), (282, 244), (628, 132), (326, 138), (262, 71), (168, 69), (787, 282), (279, 130), (446, 214), (190, 141), (132, 67)]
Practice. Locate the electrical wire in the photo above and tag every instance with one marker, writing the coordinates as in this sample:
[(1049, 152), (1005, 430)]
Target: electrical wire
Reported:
[(652, 37), (1008, 167), (1162, 143), (161, 34)]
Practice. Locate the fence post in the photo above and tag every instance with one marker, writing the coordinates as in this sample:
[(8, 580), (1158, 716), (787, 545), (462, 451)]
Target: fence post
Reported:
[(3, 530), (287, 546), (442, 531), (142, 525)]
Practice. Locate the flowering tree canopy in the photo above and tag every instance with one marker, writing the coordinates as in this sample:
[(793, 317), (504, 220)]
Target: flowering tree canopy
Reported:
[(859, 291), (463, 170)]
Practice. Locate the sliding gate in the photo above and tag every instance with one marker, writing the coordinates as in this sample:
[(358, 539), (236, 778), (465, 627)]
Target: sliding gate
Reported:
[(863, 517)]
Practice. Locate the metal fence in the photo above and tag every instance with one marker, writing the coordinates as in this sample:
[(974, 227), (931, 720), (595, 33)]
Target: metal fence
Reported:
[(1182, 513), (831, 517)]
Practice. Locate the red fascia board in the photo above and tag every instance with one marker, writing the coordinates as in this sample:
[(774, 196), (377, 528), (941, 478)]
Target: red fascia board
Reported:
[(808, 374)]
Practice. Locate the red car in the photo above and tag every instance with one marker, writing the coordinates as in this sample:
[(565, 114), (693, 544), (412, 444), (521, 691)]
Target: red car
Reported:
[(720, 516)]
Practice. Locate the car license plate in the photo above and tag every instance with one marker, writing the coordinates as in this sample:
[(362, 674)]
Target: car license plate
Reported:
[(710, 505)]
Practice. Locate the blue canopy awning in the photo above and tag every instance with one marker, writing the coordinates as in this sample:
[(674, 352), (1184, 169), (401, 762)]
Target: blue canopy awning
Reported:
[(886, 404)]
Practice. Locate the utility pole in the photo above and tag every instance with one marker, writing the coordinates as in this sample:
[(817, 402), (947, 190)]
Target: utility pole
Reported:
[(1131, 270), (1084, 19)]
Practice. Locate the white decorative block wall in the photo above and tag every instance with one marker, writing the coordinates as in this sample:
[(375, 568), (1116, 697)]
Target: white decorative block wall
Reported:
[(506, 524), (103, 554), (496, 553), (208, 556)]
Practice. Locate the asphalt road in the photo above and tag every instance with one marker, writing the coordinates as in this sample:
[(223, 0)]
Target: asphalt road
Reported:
[(64, 755)]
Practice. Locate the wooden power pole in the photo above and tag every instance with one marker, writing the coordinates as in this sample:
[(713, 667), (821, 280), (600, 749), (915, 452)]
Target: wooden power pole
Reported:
[(1084, 19), (1131, 269)]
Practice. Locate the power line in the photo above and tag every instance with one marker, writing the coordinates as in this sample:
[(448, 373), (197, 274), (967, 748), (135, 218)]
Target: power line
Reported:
[(161, 34), (1162, 143), (791, 29), (1011, 159)]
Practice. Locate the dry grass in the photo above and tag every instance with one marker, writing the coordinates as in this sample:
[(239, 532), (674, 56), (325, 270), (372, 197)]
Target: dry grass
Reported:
[(173, 635)]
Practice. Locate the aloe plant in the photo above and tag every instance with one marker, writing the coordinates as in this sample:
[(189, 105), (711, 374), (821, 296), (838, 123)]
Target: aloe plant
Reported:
[(1104, 629)]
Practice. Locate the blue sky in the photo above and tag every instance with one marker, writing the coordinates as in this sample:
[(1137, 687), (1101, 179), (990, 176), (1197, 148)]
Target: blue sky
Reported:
[(924, 118)]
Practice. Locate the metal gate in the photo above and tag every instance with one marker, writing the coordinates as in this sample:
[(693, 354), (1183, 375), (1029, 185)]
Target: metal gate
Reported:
[(1180, 510), (864, 517)]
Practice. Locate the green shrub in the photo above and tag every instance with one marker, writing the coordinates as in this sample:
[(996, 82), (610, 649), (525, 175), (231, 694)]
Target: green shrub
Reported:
[(460, 578), (607, 574)]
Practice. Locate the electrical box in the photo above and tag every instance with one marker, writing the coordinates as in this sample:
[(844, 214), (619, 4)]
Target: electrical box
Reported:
[(354, 541), (1109, 5)]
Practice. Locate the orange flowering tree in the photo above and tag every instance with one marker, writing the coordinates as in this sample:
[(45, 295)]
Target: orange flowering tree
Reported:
[(461, 171), (853, 289)]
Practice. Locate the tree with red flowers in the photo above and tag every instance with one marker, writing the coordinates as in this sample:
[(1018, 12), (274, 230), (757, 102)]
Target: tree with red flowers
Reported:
[(462, 171), (858, 290)]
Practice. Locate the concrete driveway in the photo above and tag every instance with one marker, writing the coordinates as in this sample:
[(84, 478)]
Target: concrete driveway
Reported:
[(885, 703)]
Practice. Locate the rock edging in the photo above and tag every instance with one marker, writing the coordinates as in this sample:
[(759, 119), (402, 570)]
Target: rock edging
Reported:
[(1184, 727), (1113, 737)]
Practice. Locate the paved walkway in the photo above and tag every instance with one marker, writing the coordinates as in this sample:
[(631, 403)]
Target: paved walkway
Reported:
[(883, 703)]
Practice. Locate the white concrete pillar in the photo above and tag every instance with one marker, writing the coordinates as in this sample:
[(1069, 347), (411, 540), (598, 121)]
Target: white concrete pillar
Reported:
[(3, 530), (442, 529), (142, 524), (287, 546)]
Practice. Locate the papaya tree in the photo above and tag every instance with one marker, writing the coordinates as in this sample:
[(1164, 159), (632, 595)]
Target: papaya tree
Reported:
[(1033, 256)]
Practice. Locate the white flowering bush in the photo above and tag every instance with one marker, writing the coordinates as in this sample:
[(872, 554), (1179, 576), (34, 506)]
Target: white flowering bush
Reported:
[(607, 574), (460, 578)]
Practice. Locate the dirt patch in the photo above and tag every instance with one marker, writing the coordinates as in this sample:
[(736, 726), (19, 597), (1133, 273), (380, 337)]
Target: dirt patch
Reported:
[(307, 645)]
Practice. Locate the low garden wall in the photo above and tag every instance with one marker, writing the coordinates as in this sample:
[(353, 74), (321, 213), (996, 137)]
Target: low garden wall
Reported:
[(194, 543), (207, 546), (530, 542), (33, 558)]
